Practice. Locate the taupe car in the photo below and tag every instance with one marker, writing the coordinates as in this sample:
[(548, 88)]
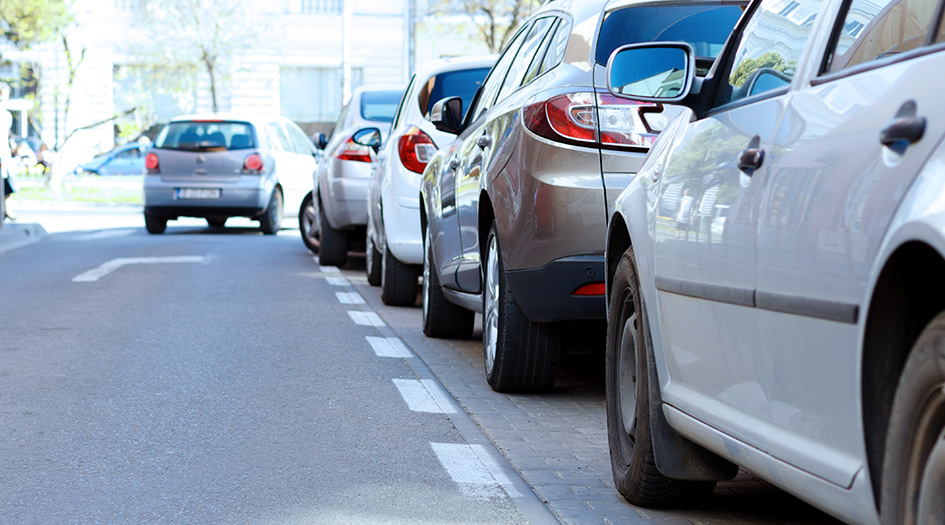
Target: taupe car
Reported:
[(515, 209)]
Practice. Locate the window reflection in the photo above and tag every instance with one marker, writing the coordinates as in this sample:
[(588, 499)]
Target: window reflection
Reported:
[(875, 29)]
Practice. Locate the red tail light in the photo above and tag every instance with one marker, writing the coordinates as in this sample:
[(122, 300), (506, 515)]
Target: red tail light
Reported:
[(151, 162), (591, 289), (416, 148), (586, 118), (253, 163), (351, 150)]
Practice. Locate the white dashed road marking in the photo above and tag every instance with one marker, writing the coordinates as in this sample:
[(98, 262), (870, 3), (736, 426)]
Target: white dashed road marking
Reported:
[(337, 281), (328, 269), (114, 264), (389, 347), (473, 470), (424, 396), (365, 318), (349, 297), (104, 234)]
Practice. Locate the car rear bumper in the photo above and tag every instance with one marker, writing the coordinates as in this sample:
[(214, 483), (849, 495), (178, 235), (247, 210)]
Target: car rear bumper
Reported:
[(244, 198), (547, 293)]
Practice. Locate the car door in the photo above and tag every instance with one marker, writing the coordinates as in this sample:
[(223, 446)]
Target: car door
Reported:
[(833, 189), (488, 146), (296, 181), (460, 169), (706, 231)]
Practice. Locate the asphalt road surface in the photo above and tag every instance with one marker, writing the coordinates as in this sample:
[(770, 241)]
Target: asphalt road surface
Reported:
[(222, 376)]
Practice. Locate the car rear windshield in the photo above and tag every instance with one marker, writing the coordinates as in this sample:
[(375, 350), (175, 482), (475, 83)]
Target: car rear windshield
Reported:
[(379, 106), (462, 84), (704, 27), (203, 135)]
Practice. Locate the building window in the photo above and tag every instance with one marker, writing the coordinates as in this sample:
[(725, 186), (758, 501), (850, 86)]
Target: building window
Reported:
[(322, 7), (313, 94)]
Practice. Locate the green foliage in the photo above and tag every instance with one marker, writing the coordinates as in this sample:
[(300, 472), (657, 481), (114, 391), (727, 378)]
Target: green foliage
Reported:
[(772, 60), (27, 22)]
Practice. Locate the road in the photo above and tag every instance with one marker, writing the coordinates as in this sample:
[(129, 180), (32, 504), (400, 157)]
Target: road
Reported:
[(222, 376)]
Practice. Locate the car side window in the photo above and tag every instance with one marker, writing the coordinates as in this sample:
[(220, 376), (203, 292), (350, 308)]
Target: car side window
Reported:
[(873, 30), (559, 43), (300, 143), (401, 114), (278, 137), (535, 69), (526, 56), (768, 49), (496, 77)]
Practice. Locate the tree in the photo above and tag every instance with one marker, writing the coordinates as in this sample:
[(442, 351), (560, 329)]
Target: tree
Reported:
[(495, 20), (197, 35), (27, 22)]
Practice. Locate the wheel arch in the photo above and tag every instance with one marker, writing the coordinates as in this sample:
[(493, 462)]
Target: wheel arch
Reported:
[(618, 240), (486, 217), (908, 294)]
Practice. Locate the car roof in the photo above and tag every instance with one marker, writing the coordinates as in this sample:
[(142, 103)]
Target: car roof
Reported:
[(253, 118)]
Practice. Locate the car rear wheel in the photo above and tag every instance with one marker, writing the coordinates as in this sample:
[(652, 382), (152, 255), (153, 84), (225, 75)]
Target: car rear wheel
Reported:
[(399, 281), (271, 221), (372, 264), (308, 223), (333, 249), (154, 223), (632, 457), (216, 222), (441, 318), (914, 466), (519, 355)]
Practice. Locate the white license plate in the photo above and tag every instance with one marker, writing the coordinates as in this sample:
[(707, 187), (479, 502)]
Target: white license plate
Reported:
[(198, 193)]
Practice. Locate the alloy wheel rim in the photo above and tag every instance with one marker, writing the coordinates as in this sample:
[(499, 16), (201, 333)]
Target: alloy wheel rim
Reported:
[(928, 459), (308, 222), (491, 307)]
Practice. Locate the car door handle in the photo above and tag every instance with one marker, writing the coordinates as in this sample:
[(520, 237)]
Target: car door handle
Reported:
[(750, 160), (903, 129), (484, 141)]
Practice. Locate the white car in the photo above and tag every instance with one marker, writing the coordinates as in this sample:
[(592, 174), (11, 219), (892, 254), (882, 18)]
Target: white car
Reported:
[(338, 213), (802, 337), (394, 242), (217, 166)]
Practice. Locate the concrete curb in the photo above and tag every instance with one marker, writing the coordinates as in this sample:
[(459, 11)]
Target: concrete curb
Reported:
[(13, 235)]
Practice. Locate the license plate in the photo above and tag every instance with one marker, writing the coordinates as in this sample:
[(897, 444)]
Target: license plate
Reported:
[(198, 193)]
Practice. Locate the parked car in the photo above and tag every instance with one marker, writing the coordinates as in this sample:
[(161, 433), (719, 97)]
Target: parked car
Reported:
[(514, 210), (339, 198), (218, 166), (127, 159), (803, 336), (394, 242)]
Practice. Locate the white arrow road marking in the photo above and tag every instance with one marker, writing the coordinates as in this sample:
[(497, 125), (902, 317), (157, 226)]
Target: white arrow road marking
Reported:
[(349, 297), (365, 318), (473, 470), (424, 396), (389, 347), (114, 264)]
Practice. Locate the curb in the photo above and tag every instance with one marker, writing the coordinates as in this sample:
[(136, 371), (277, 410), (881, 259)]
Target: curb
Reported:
[(13, 235)]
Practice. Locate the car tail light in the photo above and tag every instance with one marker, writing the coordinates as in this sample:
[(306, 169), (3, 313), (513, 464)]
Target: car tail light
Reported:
[(591, 289), (351, 150), (253, 162), (416, 148), (587, 118), (151, 162)]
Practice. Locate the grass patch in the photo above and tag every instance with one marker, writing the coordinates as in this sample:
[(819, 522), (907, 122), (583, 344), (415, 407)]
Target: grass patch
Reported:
[(90, 189)]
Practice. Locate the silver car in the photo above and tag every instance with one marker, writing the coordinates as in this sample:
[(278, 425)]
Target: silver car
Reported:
[(339, 197), (776, 267), (217, 166), (514, 210)]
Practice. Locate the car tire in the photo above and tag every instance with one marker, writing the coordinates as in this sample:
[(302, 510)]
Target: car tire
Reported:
[(441, 318), (398, 282), (216, 222), (632, 456), (913, 478), (308, 223), (333, 248), (271, 221), (372, 263), (154, 223), (519, 355)]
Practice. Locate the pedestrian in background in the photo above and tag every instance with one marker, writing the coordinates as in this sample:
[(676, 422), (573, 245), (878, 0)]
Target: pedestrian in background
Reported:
[(6, 154)]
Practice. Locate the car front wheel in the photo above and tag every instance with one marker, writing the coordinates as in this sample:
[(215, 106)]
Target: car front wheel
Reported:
[(372, 263), (333, 250), (271, 221), (155, 224), (308, 223), (519, 355), (913, 481), (441, 318), (632, 457), (398, 282)]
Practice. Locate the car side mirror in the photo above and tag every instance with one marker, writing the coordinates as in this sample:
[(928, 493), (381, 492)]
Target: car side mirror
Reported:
[(319, 140), (370, 137), (652, 72), (447, 115)]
